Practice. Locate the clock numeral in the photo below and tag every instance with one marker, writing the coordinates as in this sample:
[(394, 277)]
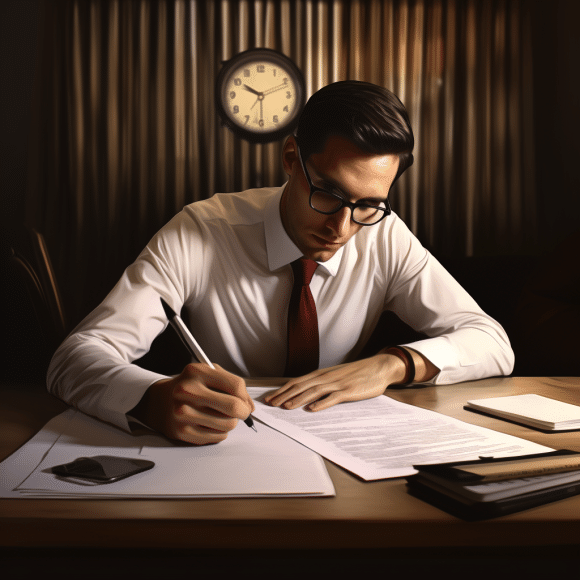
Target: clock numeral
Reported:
[(246, 72), (232, 95), (288, 95), (236, 109), (247, 119), (237, 82), (285, 108), (285, 80), (275, 119), (261, 122), (274, 72), (261, 68)]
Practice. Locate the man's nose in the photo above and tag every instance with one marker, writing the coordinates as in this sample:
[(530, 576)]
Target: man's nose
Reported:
[(340, 222)]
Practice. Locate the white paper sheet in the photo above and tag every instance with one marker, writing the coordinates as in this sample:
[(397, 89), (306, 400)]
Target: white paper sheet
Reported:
[(246, 464), (382, 438)]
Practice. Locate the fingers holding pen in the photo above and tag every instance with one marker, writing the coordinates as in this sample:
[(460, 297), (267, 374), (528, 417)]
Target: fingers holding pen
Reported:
[(226, 382), (199, 427), (200, 405), (200, 415), (226, 393)]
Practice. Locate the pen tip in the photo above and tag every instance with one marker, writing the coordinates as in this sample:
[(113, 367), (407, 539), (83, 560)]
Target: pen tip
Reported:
[(250, 423)]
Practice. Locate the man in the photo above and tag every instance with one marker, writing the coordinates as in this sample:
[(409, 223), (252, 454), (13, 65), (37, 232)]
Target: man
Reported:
[(227, 261)]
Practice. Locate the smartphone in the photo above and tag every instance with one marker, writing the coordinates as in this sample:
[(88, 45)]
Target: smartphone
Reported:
[(102, 468)]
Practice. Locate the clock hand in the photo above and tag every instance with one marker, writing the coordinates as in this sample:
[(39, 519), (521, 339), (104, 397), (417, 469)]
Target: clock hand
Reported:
[(276, 88), (252, 90)]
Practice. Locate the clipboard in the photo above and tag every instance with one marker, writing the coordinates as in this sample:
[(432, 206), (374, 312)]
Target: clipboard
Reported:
[(503, 468)]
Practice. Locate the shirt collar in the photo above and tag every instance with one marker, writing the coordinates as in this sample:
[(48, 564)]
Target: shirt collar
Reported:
[(280, 248)]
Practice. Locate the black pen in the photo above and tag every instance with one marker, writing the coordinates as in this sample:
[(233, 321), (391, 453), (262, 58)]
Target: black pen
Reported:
[(192, 345)]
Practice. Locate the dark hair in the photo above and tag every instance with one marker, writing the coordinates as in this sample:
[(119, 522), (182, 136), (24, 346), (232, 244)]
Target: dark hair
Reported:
[(370, 116)]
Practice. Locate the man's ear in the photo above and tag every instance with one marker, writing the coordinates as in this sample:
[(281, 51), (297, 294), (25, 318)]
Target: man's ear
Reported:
[(289, 154)]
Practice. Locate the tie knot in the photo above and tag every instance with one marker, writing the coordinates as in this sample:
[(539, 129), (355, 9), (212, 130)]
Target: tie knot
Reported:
[(304, 270)]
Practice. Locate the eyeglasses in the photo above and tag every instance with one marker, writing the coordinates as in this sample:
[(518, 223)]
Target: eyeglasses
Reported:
[(328, 203)]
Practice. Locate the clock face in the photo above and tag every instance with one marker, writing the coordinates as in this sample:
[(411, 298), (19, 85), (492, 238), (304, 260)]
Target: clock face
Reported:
[(260, 95)]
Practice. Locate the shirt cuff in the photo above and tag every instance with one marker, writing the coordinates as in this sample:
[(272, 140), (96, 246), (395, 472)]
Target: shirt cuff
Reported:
[(441, 353), (121, 393)]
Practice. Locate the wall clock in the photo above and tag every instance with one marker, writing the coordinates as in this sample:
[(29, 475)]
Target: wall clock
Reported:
[(260, 95)]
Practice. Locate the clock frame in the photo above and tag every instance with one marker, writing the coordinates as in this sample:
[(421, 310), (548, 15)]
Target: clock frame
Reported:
[(260, 94)]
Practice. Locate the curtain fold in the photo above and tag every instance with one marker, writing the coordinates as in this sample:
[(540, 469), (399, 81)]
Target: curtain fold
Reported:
[(128, 132)]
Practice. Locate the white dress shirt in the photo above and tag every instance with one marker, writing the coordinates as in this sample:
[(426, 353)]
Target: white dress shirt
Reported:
[(226, 260)]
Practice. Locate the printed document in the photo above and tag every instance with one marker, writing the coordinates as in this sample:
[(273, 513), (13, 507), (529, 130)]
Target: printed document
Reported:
[(382, 438)]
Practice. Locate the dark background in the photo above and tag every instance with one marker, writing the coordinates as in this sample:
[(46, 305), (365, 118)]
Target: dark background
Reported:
[(556, 49)]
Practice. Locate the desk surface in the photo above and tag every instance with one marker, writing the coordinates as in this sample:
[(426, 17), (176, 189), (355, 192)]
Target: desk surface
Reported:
[(376, 515)]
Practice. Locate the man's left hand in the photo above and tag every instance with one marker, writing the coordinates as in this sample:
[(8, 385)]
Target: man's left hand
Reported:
[(354, 381)]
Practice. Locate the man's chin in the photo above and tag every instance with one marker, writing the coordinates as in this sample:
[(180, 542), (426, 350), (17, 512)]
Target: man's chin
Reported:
[(320, 255)]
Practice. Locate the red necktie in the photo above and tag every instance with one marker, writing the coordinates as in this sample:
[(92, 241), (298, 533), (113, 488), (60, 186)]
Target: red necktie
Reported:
[(302, 322)]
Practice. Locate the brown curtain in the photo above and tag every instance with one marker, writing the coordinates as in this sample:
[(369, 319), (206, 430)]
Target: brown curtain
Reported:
[(127, 133)]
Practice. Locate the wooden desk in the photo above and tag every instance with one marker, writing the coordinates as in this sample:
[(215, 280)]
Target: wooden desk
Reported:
[(379, 516)]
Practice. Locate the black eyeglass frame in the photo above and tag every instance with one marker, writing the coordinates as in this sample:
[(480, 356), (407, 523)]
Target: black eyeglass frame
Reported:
[(343, 202)]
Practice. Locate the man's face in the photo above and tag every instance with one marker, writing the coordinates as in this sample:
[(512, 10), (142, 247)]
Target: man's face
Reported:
[(340, 168)]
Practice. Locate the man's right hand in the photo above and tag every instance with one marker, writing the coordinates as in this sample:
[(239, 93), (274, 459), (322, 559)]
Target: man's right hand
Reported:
[(199, 406)]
